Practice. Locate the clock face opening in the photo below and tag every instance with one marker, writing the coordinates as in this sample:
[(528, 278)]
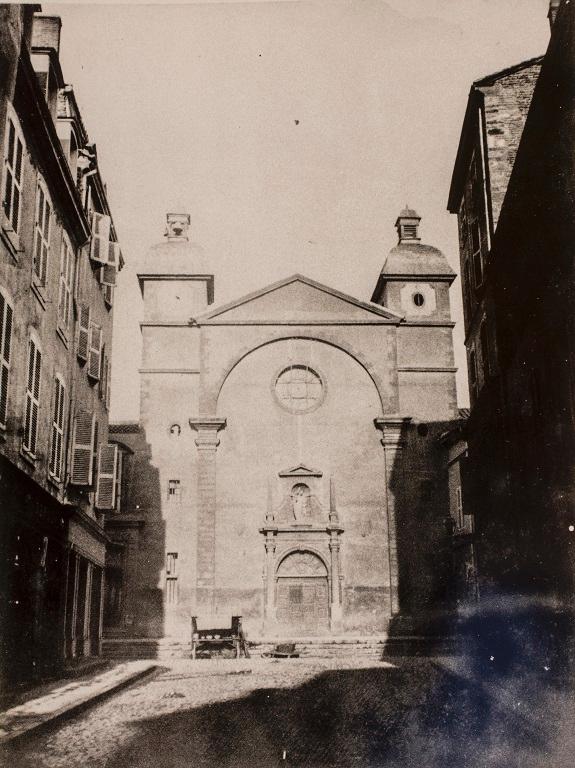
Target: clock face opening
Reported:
[(299, 389)]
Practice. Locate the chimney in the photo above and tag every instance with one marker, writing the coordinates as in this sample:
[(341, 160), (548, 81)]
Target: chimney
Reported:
[(46, 32), (553, 8), (407, 225), (177, 226)]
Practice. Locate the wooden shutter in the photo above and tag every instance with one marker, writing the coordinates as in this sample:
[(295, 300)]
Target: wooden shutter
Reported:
[(5, 350), (95, 351), (107, 392), (107, 470), (32, 397), (109, 271), (82, 448), (100, 237), (57, 442), (13, 170), (83, 341)]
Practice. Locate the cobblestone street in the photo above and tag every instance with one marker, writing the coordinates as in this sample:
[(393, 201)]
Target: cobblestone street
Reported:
[(263, 712)]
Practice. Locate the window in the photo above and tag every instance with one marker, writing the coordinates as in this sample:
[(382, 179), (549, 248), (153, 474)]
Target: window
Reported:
[(174, 490), (119, 480), (459, 507), (83, 335), (484, 341), (57, 438), (468, 289), (32, 398), (83, 448), (13, 174), (42, 235), (95, 352), (171, 578), (5, 352), (99, 245), (418, 299), (299, 389), (66, 283), (107, 477), (472, 373), (476, 256)]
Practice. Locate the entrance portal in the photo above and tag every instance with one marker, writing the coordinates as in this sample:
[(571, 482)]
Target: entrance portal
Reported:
[(302, 593)]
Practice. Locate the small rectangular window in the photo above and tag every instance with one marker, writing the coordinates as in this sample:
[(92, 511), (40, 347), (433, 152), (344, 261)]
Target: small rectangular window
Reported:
[(174, 490), (171, 590)]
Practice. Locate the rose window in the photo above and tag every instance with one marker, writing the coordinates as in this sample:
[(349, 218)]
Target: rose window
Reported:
[(299, 389)]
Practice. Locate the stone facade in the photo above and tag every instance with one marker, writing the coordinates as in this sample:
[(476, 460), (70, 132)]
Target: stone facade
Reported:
[(285, 466), (519, 321), (52, 537)]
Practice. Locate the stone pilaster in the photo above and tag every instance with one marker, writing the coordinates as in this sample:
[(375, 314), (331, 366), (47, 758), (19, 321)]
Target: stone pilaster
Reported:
[(335, 607), (269, 582), (393, 430), (207, 442)]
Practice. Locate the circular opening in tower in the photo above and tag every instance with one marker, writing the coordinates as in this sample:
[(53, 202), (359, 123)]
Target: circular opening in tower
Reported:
[(299, 389), (418, 299)]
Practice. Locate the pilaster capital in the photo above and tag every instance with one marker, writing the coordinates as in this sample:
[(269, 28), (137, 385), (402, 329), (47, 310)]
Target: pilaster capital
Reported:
[(207, 429), (393, 430)]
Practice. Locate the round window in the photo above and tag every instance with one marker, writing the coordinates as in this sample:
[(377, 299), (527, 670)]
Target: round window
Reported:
[(418, 299), (299, 389)]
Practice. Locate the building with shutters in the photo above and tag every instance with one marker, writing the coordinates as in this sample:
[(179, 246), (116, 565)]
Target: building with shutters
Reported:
[(512, 190), (58, 262), (286, 466)]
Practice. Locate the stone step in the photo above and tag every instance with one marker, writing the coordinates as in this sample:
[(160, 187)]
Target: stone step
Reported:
[(170, 648)]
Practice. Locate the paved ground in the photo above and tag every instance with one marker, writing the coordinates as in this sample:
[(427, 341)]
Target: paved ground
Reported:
[(264, 712)]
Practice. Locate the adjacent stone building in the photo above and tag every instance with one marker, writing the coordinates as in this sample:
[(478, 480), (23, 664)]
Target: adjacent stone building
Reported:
[(286, 466), (512, 189), (58, 262)]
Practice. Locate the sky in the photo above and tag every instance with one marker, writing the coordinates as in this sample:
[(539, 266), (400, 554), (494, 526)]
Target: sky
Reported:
[(292, 132)]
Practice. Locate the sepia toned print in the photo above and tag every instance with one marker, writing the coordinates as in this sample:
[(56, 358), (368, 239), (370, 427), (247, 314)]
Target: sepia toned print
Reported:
[(286, 462)]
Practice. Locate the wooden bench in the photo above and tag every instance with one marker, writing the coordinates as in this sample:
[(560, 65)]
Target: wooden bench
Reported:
[(214, 637)]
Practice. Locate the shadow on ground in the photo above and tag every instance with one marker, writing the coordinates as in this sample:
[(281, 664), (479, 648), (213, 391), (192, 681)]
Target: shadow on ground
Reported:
[(411, 716)]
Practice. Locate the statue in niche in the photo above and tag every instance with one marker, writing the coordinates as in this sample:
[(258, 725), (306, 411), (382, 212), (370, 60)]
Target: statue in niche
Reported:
[(300, 499)]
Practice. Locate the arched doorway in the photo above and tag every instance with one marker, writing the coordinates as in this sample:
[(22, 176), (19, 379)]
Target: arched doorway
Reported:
[(302, 595)]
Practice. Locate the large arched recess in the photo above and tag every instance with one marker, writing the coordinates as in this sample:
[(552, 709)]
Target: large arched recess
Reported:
[(213, 382), (338, 438)]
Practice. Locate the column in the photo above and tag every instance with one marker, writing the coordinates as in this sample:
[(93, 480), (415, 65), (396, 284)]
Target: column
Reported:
[(269, 584), (393, 430), (207, 442), (87, 650), (336, 612)]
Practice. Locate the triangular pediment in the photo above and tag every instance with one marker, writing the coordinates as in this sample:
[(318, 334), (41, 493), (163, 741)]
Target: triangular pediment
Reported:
[(301, 471), (298, 300)]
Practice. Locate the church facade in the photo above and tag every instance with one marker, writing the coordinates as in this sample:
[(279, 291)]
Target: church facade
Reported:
[(287, 465)]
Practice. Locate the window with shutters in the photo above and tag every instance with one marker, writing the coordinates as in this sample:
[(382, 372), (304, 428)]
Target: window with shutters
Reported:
[(119, 479), (99, 245), (55, 467), (13, 171), (108, 390), (32, 407), (66, 284), (83, 446), (6, 315), (109, 295), (83, 333), (473, 373), (42, 233), (95, 352), (107, 476), (109, 271), (459, 507)]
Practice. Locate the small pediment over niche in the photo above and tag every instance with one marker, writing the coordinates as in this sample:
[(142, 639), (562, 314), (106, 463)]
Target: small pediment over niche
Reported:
[(301, 471)]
